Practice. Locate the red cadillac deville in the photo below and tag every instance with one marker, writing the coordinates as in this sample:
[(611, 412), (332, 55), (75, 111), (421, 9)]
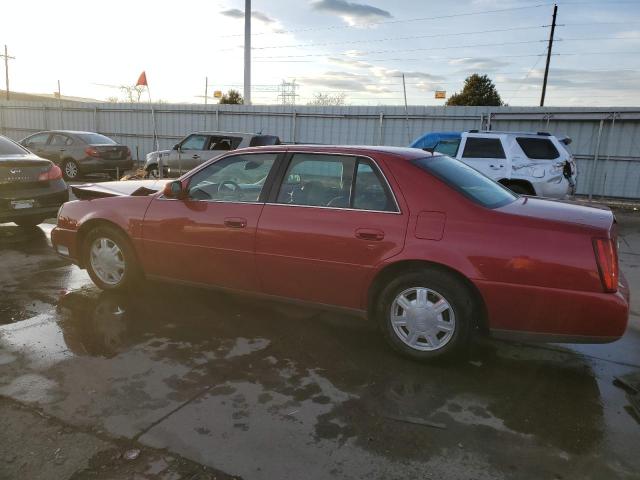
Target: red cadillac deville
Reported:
[(422, 244)]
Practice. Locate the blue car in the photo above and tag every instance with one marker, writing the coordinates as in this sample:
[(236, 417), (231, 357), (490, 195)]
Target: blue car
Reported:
[(442, 142)]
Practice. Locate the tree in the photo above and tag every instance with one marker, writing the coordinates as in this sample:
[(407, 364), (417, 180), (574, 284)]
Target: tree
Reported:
[(478, 90), (232, 97), (132, 93), (327, 100)]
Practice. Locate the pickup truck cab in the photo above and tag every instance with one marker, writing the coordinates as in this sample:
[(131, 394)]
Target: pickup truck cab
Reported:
[(527, 163), (196, 148)]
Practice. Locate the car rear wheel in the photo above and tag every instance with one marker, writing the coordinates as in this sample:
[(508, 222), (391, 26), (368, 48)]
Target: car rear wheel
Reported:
[(29, 222), (70, 170), (426, 314), (153, 172), (110, 260)]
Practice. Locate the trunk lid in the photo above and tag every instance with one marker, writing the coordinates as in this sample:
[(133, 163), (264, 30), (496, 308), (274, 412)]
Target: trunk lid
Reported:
[(112, 152), (20, 171), (597, 217)]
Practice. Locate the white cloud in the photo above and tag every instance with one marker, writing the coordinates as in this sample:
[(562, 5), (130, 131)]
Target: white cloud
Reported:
[(352, 13)]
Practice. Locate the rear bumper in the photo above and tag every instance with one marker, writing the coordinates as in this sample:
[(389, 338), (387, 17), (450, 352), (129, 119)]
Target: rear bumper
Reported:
[(47, 201), (99, 165), (554, 315)]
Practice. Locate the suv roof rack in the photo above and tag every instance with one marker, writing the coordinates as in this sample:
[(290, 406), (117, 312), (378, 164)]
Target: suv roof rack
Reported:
[(496, 132)]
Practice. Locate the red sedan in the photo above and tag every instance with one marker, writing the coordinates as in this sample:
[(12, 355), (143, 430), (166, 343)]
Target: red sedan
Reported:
[(425, 245)]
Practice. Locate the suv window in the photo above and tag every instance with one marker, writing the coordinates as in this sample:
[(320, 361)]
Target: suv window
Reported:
[(318, 180), (224, 143), (476, 147), (370, 193), (468, 181), (262, 140), (194, 142), (447, 147), (538, 148), (239, 178), (37, 139), (7, 147)]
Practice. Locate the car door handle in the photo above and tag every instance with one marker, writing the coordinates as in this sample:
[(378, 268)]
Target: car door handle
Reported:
[(195, 157), (235, 222), (369, 234), (496, 167)]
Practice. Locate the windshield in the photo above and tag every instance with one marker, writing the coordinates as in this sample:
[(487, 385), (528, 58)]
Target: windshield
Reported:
[(468, 181), (95, 139), (7, 147)]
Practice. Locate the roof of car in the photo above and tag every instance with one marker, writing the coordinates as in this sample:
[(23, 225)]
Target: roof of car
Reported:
[(73, 132), (404, 152), (228, 133), (500, 132)]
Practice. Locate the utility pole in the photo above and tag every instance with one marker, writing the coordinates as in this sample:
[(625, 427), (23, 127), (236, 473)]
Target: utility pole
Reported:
[(546, 69), (247, 52), (406, 109), (6, 69), (206, 90)]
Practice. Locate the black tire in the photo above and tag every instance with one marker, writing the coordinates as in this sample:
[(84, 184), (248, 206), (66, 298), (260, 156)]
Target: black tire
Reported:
[(153, 171), (70, 170), (131, 275), (29, 222), (448, 287), (519, 189)]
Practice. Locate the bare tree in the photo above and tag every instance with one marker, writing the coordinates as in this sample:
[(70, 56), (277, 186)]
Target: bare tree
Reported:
[(132, 93), (328, 100)]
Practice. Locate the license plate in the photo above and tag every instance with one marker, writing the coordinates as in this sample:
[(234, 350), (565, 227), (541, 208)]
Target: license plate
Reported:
[(20, 204)]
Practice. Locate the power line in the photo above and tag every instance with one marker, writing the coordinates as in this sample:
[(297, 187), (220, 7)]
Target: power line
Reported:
[(388, 39), (390, 22), (401, 50)]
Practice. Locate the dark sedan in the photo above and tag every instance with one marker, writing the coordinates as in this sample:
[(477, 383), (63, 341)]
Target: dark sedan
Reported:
[(31, 188), (79, 153)]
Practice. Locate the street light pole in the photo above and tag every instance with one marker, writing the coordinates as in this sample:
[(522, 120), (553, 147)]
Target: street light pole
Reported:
[(247, 52)]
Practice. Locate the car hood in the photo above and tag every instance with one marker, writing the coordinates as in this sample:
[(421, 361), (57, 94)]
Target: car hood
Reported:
[(598, 217), (118, 189)]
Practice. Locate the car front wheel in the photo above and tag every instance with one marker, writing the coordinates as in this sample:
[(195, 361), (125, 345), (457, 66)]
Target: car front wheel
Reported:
[(110, 260), (426, 314)]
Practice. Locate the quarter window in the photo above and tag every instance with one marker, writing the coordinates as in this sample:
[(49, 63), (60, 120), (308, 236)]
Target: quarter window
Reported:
[(476, 147), (239, 178), (194, 142), (538, 148), (369, 190)]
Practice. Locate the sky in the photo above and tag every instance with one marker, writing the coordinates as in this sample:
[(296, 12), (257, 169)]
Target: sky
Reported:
[(359, 49)]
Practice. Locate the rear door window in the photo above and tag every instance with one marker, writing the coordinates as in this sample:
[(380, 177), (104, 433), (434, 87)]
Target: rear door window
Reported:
[(59, 140), (220, 142), (483, 148), (370, 191), (538, 148)]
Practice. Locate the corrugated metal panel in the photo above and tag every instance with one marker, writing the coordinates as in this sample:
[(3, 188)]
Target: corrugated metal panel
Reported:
[(617, 171)]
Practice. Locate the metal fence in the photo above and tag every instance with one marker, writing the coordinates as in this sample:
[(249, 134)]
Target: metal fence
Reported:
[(606, 141)]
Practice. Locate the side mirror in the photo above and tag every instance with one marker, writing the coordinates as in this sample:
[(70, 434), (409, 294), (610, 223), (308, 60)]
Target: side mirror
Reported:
[(176, 146), (175, 190), (429, 149)]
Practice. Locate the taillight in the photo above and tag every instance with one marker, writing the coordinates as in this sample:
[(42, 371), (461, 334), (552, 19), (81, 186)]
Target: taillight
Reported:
[(92, 152), (607, 260), (54, 173)]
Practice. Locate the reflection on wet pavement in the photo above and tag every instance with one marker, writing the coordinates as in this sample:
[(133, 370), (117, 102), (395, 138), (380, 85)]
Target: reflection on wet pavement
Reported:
[(264, 390)]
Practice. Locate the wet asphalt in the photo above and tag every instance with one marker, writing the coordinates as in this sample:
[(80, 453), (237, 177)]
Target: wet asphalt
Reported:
[(264, 390)]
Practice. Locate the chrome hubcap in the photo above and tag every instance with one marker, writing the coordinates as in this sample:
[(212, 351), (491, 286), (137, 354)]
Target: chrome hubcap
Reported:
[(107, 260), (154, 173), (423, 319), (71, 169)]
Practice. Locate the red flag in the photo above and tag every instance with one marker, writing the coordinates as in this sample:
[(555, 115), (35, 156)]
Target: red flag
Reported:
[(142, 80)]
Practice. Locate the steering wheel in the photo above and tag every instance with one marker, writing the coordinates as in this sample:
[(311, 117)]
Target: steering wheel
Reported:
[(223, 186)]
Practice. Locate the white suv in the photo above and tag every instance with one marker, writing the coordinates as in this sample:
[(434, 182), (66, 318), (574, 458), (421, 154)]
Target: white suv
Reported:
[(527, 163)]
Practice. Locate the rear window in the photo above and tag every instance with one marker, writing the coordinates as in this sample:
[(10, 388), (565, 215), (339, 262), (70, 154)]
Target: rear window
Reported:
[(7, 147), (468, 181), (538, 148), (483, 148), (264, 140), (95, 139)]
